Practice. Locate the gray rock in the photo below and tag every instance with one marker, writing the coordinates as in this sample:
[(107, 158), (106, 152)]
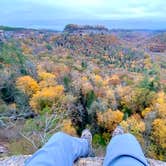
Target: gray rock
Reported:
[(90, 161), (3, 149)]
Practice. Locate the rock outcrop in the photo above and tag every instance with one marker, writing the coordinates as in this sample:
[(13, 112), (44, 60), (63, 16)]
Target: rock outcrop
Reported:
[(90, 161)]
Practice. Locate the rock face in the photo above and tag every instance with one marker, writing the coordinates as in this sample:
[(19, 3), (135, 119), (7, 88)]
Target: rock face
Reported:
[(90, 161)]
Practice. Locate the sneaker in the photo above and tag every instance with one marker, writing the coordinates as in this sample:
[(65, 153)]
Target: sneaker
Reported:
[(118, 131), (86, 134)]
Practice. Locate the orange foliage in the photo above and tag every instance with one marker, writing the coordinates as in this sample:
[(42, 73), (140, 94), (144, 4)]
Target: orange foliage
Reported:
[(109, 119), (27, 84), (146, 111), (161, 104), (47, 97), (47, 79), (134, 124), (68, 128), (86, 86), (45, 75), (159, 132), (26, 49), (114, 80), (110, 97), (98, 80)]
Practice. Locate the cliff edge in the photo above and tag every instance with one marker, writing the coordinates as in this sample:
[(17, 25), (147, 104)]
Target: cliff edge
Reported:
[(90, 161)]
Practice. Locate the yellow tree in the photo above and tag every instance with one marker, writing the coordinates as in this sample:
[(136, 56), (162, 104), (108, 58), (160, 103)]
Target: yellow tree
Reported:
[(97, 79), (109, 119), (27, 85), (46, 79), (146, 111), (160, 104), (47, 98), (135, 125), (159, 132), (68, 128)]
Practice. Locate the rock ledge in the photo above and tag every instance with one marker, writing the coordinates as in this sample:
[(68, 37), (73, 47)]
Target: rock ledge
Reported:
[(90, 161)]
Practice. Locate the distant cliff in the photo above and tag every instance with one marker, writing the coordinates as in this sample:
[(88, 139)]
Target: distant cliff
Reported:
[(74, 28)]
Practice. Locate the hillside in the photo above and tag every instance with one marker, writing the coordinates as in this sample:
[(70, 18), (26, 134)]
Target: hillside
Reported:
[(81, 77)]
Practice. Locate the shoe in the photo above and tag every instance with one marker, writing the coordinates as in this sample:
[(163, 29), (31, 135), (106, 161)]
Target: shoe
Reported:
[(86, 134), (118, 131)]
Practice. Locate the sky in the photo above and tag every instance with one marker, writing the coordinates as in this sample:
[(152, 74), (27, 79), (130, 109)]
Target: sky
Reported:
[(54, 14)]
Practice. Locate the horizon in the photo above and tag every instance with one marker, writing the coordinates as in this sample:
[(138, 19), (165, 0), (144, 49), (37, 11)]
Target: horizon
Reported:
[(117, 25), (131, 14)]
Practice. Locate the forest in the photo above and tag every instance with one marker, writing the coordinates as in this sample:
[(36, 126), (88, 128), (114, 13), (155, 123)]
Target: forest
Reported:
[(83, 77)]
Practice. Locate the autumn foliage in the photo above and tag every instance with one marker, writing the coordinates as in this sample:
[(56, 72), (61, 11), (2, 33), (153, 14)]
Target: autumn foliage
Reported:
[(83, 80), (109, 119), (159, 132), (47, 97), (68, 128), (46, 79), (27, 85)]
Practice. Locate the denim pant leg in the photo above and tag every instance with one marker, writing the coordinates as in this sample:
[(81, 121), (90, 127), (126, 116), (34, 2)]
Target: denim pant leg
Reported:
[(124, 150), (60, 150)]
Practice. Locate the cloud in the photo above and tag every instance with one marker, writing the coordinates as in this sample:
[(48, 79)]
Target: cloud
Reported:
[(82, 8), (30, 11)]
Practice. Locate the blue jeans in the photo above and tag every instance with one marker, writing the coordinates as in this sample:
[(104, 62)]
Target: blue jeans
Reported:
[(63, 150)]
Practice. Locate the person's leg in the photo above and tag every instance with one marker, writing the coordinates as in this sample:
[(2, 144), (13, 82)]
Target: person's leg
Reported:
[(124, 150), (60, 150)]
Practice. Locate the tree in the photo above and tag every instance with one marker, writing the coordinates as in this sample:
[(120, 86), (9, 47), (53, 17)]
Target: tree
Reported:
[(68, 128), (135, 125), (160, 104), (109, 119), (27, 85), (98, 80), (47, 97), (159, 132), (46, 79), (136, 99)]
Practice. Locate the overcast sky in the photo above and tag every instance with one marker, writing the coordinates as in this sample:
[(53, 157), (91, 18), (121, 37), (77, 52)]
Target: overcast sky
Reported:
[(44, 12)]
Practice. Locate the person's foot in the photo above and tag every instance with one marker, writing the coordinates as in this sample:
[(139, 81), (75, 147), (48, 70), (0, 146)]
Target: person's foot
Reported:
[(118, 131), (86, 134)]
